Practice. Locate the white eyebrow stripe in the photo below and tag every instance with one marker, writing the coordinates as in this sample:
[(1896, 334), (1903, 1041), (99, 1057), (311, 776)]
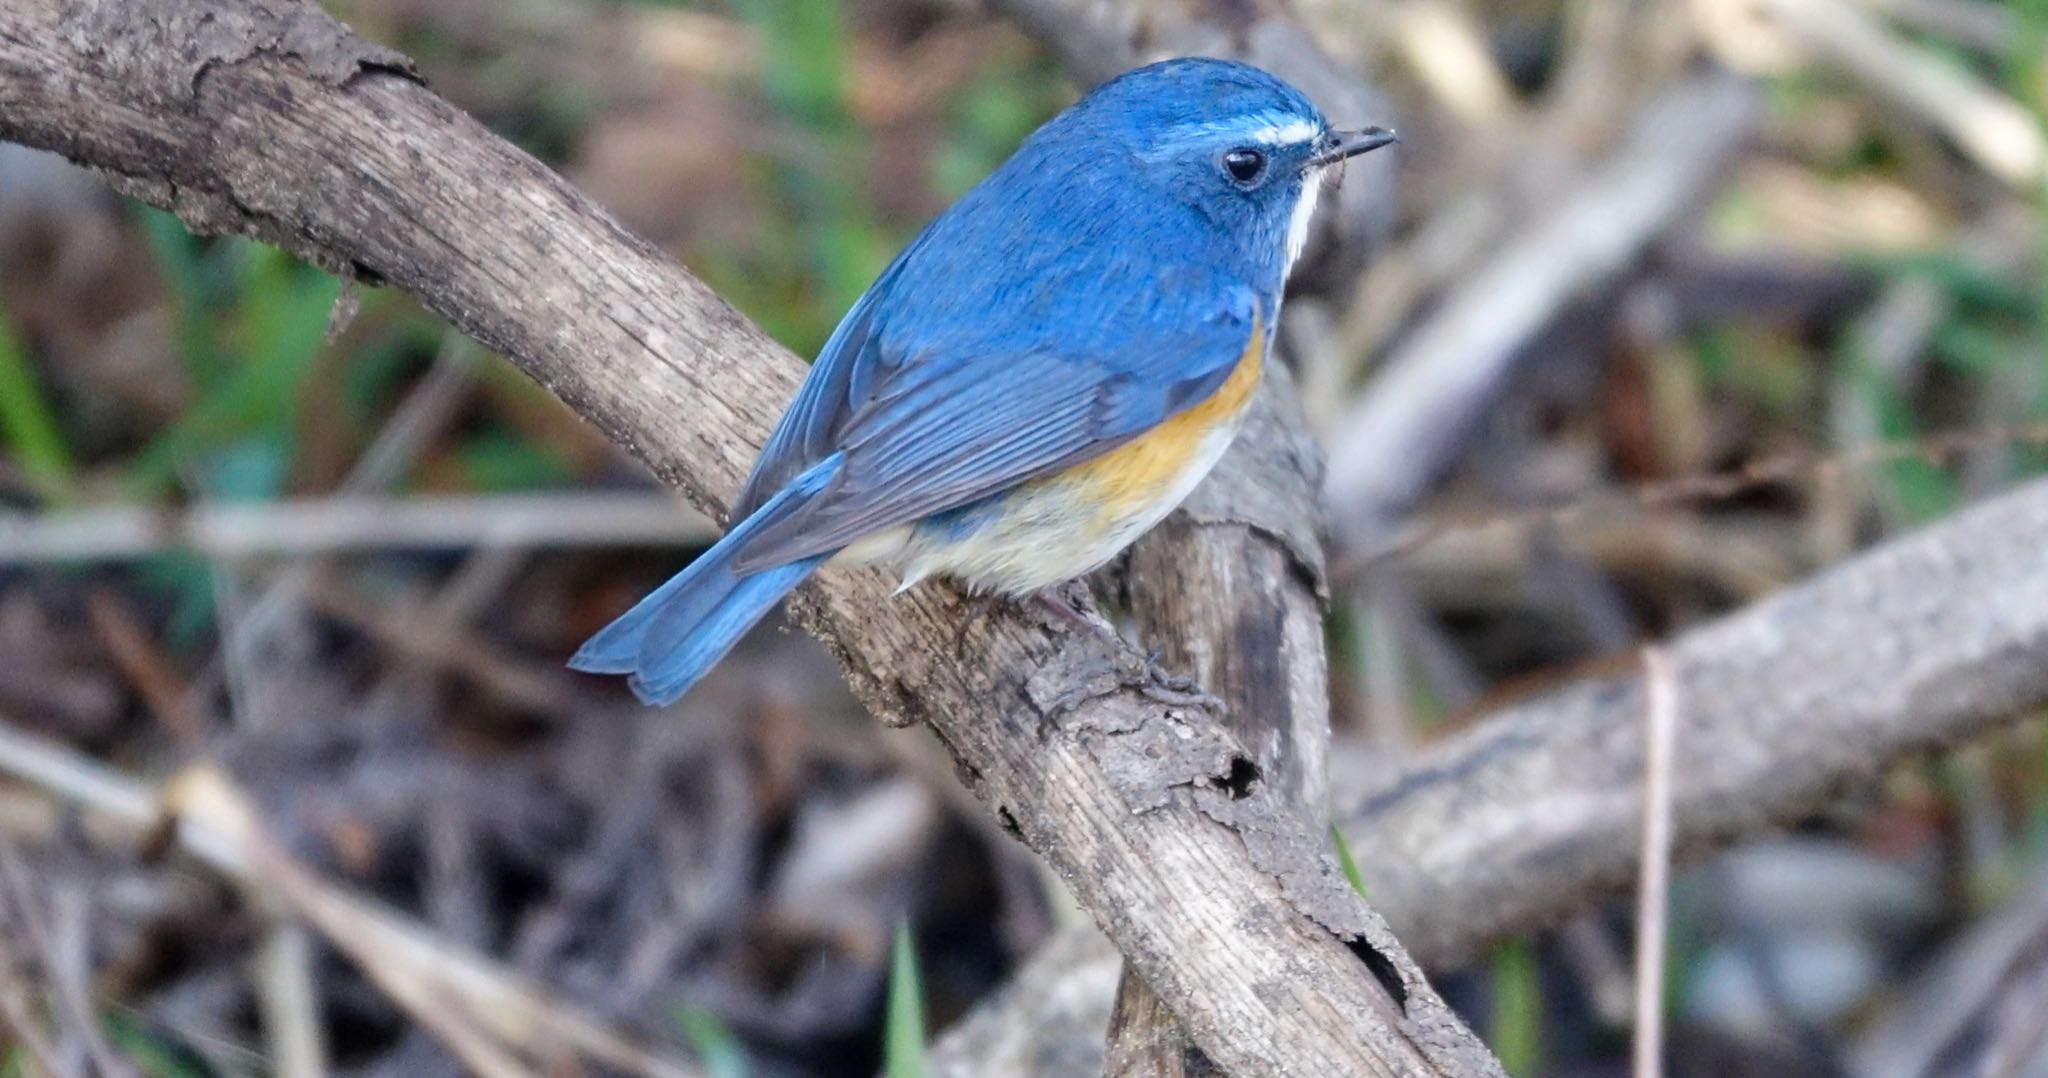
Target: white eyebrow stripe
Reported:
[(1266, 128), (1283, 134)]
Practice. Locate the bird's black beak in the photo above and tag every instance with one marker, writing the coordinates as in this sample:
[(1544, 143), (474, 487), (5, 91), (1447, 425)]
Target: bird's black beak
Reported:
[(1338, 145)]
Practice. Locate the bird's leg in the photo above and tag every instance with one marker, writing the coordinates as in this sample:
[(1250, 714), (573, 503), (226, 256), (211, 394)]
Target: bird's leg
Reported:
[(1073, 604), (981, 606)]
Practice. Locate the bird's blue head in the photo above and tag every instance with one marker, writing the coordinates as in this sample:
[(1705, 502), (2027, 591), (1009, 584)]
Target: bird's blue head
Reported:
[(1247, 153)]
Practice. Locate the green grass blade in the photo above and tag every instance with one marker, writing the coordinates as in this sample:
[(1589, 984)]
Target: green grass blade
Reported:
[(279, 322), (903, 1038), (721, 1053), (193, 278), (154, 1057), (28, 424), (1517, 1019), (803, 71), (1350, 863)]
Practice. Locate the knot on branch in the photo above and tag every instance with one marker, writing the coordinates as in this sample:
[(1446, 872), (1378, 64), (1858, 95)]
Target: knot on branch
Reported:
[(203, 37), (1147, 752)]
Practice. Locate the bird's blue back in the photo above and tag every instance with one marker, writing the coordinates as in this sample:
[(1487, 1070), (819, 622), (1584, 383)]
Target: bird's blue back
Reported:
[(1064, 305), (998, 401)]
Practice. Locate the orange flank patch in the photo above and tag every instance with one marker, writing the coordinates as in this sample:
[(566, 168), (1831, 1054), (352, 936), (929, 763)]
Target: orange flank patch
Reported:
[(1136, 473)]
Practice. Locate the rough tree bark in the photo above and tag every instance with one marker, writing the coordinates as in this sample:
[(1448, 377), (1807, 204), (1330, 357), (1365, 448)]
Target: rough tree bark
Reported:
[(270, 119), (1533, 814), (1230, 589)]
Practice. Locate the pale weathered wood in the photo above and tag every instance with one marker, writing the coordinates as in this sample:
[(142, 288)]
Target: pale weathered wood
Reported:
[(1926, 640), (1535, 813), (1230, 591), (270, 119)]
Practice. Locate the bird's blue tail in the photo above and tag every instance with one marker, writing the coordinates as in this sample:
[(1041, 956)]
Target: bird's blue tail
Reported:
[(669, 639)]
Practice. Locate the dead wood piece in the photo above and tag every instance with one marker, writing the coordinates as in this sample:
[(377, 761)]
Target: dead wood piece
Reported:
[(1653, 897), (1230, 589), (484, 1011), (1916, 644), (352, 525)]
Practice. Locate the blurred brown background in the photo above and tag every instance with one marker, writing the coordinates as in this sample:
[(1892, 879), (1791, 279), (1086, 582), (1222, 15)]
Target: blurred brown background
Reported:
[(1793, 243)]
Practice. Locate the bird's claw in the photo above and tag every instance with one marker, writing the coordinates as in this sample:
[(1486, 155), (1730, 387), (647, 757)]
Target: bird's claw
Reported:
[(1132, 669), (1160, 685), (1174, 690)]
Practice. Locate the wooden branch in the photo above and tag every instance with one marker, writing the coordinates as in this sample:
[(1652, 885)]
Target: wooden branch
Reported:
[(1979, 1005), (1921, 642), (1535, 813), (265, 117), (206, 815), (1230, 589)]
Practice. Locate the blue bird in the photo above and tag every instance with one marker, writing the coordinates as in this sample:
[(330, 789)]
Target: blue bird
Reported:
[(1039, 378)]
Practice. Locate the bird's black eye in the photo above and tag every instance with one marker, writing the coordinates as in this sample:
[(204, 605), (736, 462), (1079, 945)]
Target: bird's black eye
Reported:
[(1245, 165)]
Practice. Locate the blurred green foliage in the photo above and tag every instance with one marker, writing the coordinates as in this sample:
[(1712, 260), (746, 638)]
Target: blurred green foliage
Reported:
[(721, 1053), (1991, 334), (28, 423), (2034, 828), (154, 1056), (991, 115), (250, 323), (821, 240)]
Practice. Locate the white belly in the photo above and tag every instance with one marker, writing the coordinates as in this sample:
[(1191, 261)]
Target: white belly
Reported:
[(1045, 533)]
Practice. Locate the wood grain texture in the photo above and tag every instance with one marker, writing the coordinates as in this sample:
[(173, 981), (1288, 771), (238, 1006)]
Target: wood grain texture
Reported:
[(267, 118), (1230, 590)]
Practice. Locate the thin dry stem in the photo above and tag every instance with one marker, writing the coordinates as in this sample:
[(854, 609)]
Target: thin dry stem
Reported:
[(354, 524), (1653, 894)]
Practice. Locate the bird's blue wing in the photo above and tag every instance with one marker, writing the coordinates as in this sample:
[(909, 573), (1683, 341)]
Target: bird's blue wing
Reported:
[(803, 436), (930, 421)]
